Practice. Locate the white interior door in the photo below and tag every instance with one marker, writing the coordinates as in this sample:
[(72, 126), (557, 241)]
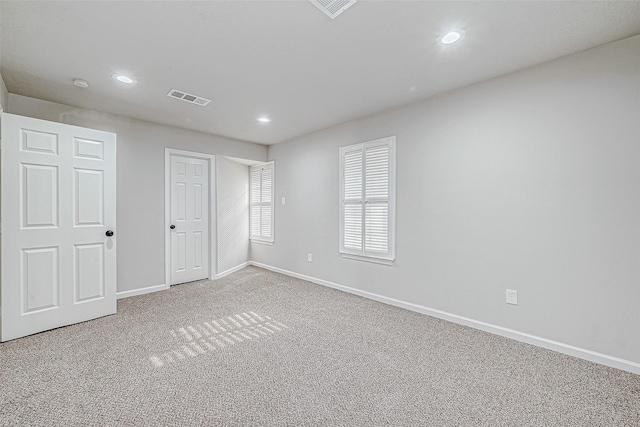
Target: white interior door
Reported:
[(189, 201), (58, 209)]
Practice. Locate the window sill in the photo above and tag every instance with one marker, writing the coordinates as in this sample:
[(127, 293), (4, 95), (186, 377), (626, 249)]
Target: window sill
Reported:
[(262, 242), (369, 259)]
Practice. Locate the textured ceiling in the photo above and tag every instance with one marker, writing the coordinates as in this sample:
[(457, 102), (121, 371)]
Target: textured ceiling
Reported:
[(286, 60)]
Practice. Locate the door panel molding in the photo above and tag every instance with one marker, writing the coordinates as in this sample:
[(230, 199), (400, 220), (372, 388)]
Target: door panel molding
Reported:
[(58, 194), (210, 158)]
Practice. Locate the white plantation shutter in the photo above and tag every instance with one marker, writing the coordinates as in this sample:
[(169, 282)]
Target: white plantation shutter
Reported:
[(262, 194), (376, 215), (352, 200), (255, 202), (353, 228), (367, 193), (267, 196)]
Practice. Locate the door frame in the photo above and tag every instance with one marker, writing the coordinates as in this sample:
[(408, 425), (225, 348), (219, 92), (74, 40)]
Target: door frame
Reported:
[(211, 159)]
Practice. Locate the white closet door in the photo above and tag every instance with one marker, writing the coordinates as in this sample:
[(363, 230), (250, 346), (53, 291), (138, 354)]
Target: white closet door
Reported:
[(189, 201), (58, 210)]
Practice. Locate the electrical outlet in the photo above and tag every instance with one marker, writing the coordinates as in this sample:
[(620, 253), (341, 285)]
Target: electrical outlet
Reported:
[(283, 201), (512, 297), (309, 258)]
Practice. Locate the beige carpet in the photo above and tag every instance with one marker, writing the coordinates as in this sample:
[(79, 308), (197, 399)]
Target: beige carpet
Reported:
[(261, 349)]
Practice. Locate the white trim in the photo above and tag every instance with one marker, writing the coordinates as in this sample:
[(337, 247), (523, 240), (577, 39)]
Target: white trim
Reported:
[(262, 242), (141, 291), (163, 287), (168, 152), (582, 353), (232, 270), (369, 259)]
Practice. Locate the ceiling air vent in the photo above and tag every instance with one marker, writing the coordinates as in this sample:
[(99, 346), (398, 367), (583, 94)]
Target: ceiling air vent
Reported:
[(333, 8), (188, 97)]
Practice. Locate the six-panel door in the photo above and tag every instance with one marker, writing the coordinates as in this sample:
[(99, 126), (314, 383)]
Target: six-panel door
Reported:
[(58, 202), (189, 201)]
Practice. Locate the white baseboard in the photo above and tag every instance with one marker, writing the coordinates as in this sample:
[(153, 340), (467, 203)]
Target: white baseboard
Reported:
[(149, 289), (604, 359), (231, 270), (141, 291)]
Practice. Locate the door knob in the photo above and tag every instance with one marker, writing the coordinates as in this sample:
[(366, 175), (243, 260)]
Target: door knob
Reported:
[(172, 226), (109, 233)]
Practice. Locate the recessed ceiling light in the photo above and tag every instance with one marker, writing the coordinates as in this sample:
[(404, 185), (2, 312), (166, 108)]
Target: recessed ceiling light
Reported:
[(124, 79), (81, 83), (264, 119), (451, 37)]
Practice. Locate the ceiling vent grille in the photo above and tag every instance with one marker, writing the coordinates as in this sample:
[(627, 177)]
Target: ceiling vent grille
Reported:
[(333, 8), (188, 97)]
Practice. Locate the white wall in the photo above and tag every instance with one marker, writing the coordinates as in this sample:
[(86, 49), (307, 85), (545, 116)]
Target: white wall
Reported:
[(4, 94), (530, 182), (140, 175), (232, 213)]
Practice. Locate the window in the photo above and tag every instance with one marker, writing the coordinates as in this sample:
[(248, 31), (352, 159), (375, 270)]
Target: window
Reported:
[(261, 220), (367, 200)]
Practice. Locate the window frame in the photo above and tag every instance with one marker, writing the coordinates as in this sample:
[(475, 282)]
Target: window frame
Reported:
[(260, 238), (362, 254)]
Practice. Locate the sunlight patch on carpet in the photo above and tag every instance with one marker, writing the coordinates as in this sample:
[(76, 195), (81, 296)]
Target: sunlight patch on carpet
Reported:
[(211, 336)]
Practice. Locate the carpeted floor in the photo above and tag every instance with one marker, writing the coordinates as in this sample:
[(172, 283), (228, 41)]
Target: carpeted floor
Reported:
[(261, 349)]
